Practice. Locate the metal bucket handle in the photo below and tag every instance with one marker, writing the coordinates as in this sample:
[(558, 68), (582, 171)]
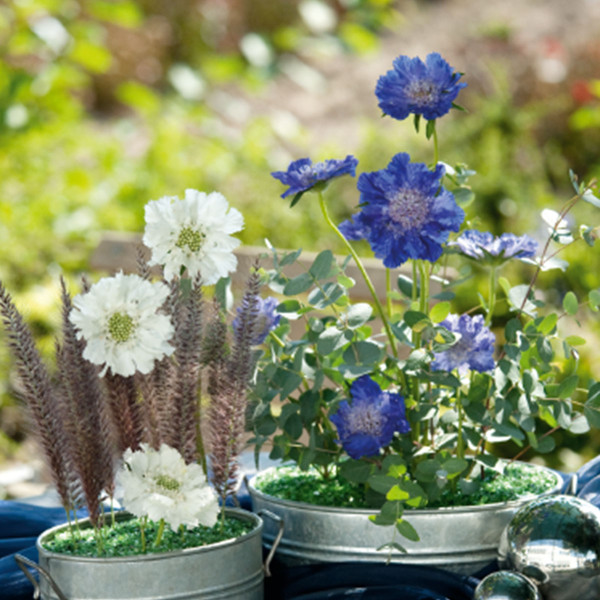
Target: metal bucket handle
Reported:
[(267, 513), (24, 562)]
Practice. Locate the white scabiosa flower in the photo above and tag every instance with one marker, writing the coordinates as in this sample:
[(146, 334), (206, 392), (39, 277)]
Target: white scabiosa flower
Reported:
[(160, 485), (194, 233), (120, 320)]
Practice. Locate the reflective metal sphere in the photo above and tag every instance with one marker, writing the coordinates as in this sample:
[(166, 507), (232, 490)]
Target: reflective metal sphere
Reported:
[(506, 585), (555, 541)]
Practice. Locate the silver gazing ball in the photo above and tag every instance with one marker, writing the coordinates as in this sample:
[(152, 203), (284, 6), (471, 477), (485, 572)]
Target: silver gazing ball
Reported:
[(555, 541), (506, 585)]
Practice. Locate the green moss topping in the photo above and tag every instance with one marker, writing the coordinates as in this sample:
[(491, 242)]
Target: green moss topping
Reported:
[(290, 483), (124, 538)]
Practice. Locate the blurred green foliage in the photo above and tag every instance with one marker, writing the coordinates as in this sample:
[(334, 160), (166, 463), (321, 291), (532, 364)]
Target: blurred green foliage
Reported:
[(104, 105)]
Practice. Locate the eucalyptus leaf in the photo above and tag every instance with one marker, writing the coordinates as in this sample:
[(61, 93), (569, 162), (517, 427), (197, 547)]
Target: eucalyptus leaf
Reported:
[(322, 265), (570, 303), (407, 530), (298, 285)]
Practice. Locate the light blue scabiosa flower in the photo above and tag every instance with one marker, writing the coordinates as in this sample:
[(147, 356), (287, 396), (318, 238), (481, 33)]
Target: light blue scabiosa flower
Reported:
[(474, 350), (368, 423), (302, 175), (483, 245), (421, 88), (267, 319), (406, 213)]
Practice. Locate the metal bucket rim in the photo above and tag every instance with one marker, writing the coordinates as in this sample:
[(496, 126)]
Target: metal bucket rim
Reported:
[(298, 505), (238, 513)]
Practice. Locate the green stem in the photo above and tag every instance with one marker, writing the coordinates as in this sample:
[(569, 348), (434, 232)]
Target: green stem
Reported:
[(159, 533), (143, 534), (424, 304), (491, 295), (460, 444), (388, 292), (436, 150), (364, 274), (200, 450), (415, 285)]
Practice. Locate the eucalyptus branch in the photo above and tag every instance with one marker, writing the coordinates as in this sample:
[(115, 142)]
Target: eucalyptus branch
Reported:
[(364, 274)]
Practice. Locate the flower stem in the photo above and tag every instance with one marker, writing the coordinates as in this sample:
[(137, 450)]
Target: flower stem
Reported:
[(460, 443), (436, 150), (364, 274), (424, 304), (143, 534), (159, 534), (491, 296), (388, 292), (415, 285)]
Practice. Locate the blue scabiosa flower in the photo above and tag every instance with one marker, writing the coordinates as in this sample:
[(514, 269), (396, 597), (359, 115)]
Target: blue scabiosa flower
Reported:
[(406, 213), (302, 175), (368, 423), (267, 319), (474, 350), (483, 245), (421, 88)]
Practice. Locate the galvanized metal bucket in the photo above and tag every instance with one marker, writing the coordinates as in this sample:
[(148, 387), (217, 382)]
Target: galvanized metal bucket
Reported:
[(460, 539), (231, 569)]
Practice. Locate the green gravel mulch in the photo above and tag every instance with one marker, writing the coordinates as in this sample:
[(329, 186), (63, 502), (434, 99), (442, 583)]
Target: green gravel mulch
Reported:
[(124, 538), (290, 483)]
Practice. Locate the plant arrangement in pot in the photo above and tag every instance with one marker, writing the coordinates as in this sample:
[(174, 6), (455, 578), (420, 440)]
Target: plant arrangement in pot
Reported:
[(387, 411), (124, 417)]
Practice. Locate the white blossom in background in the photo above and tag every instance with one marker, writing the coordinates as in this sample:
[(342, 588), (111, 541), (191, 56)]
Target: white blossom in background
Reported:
[(160, 485), (120, 320), (193, 233)]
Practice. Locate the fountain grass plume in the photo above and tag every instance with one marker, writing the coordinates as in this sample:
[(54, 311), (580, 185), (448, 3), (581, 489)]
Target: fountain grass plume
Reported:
[(187, 318), (86, 422), (229, 376), (37, 391)]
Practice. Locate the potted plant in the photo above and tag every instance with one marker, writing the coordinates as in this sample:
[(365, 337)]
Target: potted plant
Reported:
[(124, 418), (388, 411)]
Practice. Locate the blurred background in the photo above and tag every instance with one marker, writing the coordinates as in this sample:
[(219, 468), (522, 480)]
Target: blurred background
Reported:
[(106, 104)]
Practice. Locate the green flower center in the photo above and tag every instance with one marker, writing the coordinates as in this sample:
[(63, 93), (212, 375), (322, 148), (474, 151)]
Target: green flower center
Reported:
[(191, 238), (120, 327), (167, 483)]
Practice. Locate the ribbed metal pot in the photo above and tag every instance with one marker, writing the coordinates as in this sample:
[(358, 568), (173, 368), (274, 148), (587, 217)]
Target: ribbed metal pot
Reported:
[(231, 569), (460, 539)]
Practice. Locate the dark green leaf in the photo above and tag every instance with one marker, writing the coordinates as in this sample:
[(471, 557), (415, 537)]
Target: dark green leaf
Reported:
[(454, 466), (407, 530), (405, 285), (355, 471), (382, 483), (298, 285), (426, 470), (321, 267), (430, 129), (293, 426), (296, 199), (290, 258), (544, 348)]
